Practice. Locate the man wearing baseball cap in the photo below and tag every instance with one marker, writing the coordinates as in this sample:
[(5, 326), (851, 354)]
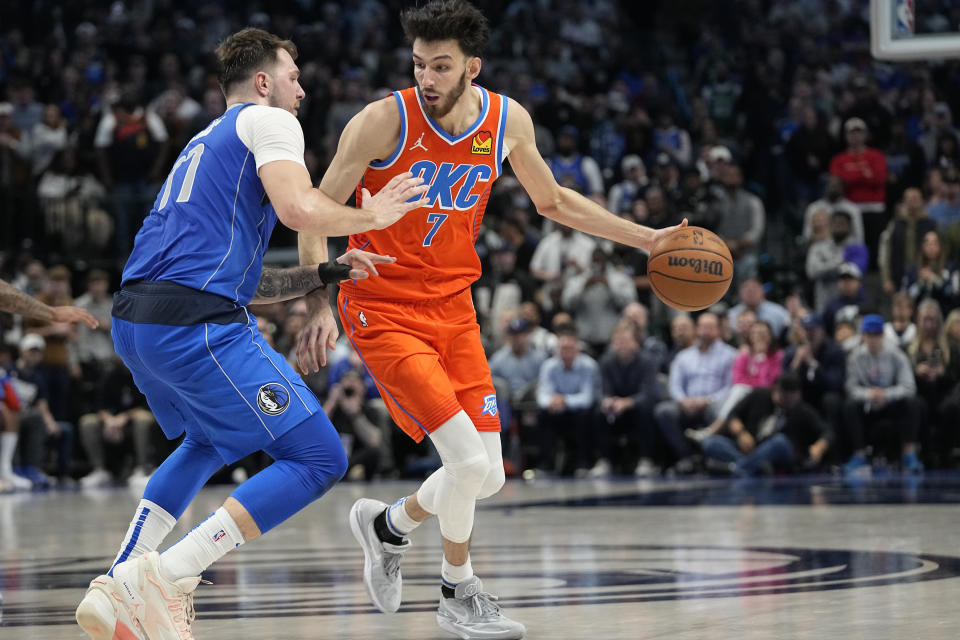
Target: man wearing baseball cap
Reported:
[(863, 170), (881, 392), (851, 297)]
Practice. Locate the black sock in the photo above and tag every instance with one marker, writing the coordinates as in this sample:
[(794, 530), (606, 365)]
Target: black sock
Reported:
[(448, 592), (383, 531)]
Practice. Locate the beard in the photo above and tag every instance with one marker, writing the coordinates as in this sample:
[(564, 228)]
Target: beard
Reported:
[(445, 103)]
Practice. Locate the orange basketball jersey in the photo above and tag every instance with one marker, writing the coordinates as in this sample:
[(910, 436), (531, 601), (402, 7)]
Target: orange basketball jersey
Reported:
[(434, 245)]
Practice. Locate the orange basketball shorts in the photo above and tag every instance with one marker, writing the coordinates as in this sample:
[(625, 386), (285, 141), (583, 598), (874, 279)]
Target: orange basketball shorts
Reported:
[(426, 359)]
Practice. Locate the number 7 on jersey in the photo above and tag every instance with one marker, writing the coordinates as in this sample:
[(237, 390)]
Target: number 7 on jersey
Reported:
[(437, 220)]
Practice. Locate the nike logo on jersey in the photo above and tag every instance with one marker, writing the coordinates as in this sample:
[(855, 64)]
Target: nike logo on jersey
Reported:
[(451, 184), (418, 144)]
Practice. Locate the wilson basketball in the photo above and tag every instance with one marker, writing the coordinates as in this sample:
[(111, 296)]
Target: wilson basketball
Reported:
[(690, 269)]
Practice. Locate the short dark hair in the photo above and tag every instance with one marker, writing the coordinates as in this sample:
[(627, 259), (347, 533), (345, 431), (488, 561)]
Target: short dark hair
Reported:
[(788, 381), (247, 51), (447, 20)]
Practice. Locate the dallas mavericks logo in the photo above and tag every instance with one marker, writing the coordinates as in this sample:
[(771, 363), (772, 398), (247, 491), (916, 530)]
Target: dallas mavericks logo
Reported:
[(489, 405), (273, 398)]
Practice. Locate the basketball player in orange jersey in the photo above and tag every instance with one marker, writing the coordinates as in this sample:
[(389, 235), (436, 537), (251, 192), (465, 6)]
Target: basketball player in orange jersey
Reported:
[(415, 327)]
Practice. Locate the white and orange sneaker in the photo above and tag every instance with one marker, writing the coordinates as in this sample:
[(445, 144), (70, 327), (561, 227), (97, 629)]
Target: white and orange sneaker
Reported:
[(163, 608), (103, 615)]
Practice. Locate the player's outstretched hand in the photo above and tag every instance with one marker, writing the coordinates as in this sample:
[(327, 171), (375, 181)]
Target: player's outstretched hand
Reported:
[(318, 334), (72, 315), (363, 263), (395, 199), (659, 234)]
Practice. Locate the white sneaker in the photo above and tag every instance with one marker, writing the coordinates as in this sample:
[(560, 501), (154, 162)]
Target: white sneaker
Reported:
[(103, 615), (645, 468), (601, 469), (19, 483), (163, 608), (381, 560), (96, 478), (472, 613)]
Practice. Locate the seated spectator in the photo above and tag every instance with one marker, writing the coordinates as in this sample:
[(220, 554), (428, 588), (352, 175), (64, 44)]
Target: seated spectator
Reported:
[(946, 212), (38, 428), (900, 330), (821, 364), (741, 223), (575, 170), (753, 297), (700, 379), (502, 286), (123, 424), (851, 298), (682, 335), (540, 337), (595, 299), (629, 393), (951, 328), (771, 429), (739, 335), (516, 368), (936, 365), (825, 257), (846, 334), (94, 347), (931, 276), (623, 194), (880, 390), (357, 421), (833, 200), (566, 394), (903, 237), (563, 252), (653, 347)]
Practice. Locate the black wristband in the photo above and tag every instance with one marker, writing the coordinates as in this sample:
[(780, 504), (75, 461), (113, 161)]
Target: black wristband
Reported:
[(333, 272)]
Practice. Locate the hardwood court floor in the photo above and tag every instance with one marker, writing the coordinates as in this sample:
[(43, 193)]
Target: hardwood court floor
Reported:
[(696, 559)]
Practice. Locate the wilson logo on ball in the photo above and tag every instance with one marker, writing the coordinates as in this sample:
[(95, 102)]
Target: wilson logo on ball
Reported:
[(699, 265)]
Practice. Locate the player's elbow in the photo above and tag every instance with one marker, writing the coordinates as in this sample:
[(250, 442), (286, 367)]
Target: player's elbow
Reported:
[(293, 214), (551, 205)]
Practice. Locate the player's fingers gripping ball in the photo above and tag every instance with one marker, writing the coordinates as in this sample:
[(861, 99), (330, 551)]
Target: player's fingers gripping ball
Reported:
[(690, 269)]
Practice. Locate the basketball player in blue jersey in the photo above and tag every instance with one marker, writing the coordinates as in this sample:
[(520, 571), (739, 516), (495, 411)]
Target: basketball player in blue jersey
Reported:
[(181, 325)]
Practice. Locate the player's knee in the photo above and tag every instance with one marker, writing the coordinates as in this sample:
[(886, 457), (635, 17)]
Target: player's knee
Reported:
[(494, 480), (328, 470), (470, 474)]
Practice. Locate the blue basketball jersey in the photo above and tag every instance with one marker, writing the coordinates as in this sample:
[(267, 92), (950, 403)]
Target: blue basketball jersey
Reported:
[(211, 221)]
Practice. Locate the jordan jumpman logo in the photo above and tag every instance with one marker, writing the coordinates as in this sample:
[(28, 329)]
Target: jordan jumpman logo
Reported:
[(418, 143)]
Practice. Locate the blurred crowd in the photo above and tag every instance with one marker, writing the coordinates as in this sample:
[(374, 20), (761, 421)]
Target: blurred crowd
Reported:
[(833, 177)]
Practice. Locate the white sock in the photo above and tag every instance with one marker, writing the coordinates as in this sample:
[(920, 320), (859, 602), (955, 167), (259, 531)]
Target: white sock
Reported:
[(8, 446), (205, 544), (451, 575), (398, 520), (150, 525)]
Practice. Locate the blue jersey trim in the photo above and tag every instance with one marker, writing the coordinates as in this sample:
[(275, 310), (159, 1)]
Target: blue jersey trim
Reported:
[(403, 135), (500, 133), (353, 330)]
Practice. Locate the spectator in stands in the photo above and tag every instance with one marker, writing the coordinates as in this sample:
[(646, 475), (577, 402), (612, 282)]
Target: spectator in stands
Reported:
[(631, 188), (567, 392), (94, 347), (808, 154), (946, 212), (562, 253), (825, 257), (573, 169), (14, 176), (673, 140), (652, 346), (901, 241), (501, 287), (39, 430), (48, 138), (931, 276), (738, 335), (700, 379), (596, 298), (821, 364), (122, 423), (881, 390), (754, 298), (741, 223), (851, 298), (9, 435), (540, 337), (516, 367), (682, 335), (131, 145), (901, 330), (951, 327), (834, 200), (941, 124), (358, 423), (905, 161), (629, 393), (771, 429), (863, 170)]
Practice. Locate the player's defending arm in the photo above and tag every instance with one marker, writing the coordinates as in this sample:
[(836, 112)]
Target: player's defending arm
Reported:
[(14, 301), (279, 284), (564, 205)]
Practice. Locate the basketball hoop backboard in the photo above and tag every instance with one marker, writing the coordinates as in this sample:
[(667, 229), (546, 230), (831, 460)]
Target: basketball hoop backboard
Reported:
[(893, 34)]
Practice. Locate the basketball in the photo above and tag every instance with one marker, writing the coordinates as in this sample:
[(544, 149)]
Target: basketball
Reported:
[(690, 269)]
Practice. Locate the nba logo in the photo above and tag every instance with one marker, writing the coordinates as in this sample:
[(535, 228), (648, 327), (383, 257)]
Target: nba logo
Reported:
[(219, 535), (363, 319), (904, 18)]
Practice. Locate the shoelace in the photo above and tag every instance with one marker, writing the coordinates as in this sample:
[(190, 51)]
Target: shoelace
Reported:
[(485, 604)]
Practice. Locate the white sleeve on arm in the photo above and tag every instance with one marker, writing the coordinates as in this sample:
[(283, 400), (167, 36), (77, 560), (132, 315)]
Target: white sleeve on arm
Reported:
[(271, 134)]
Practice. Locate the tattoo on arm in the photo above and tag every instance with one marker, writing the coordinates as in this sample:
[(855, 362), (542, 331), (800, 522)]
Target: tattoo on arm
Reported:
[(13, 301), (277, 284)]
